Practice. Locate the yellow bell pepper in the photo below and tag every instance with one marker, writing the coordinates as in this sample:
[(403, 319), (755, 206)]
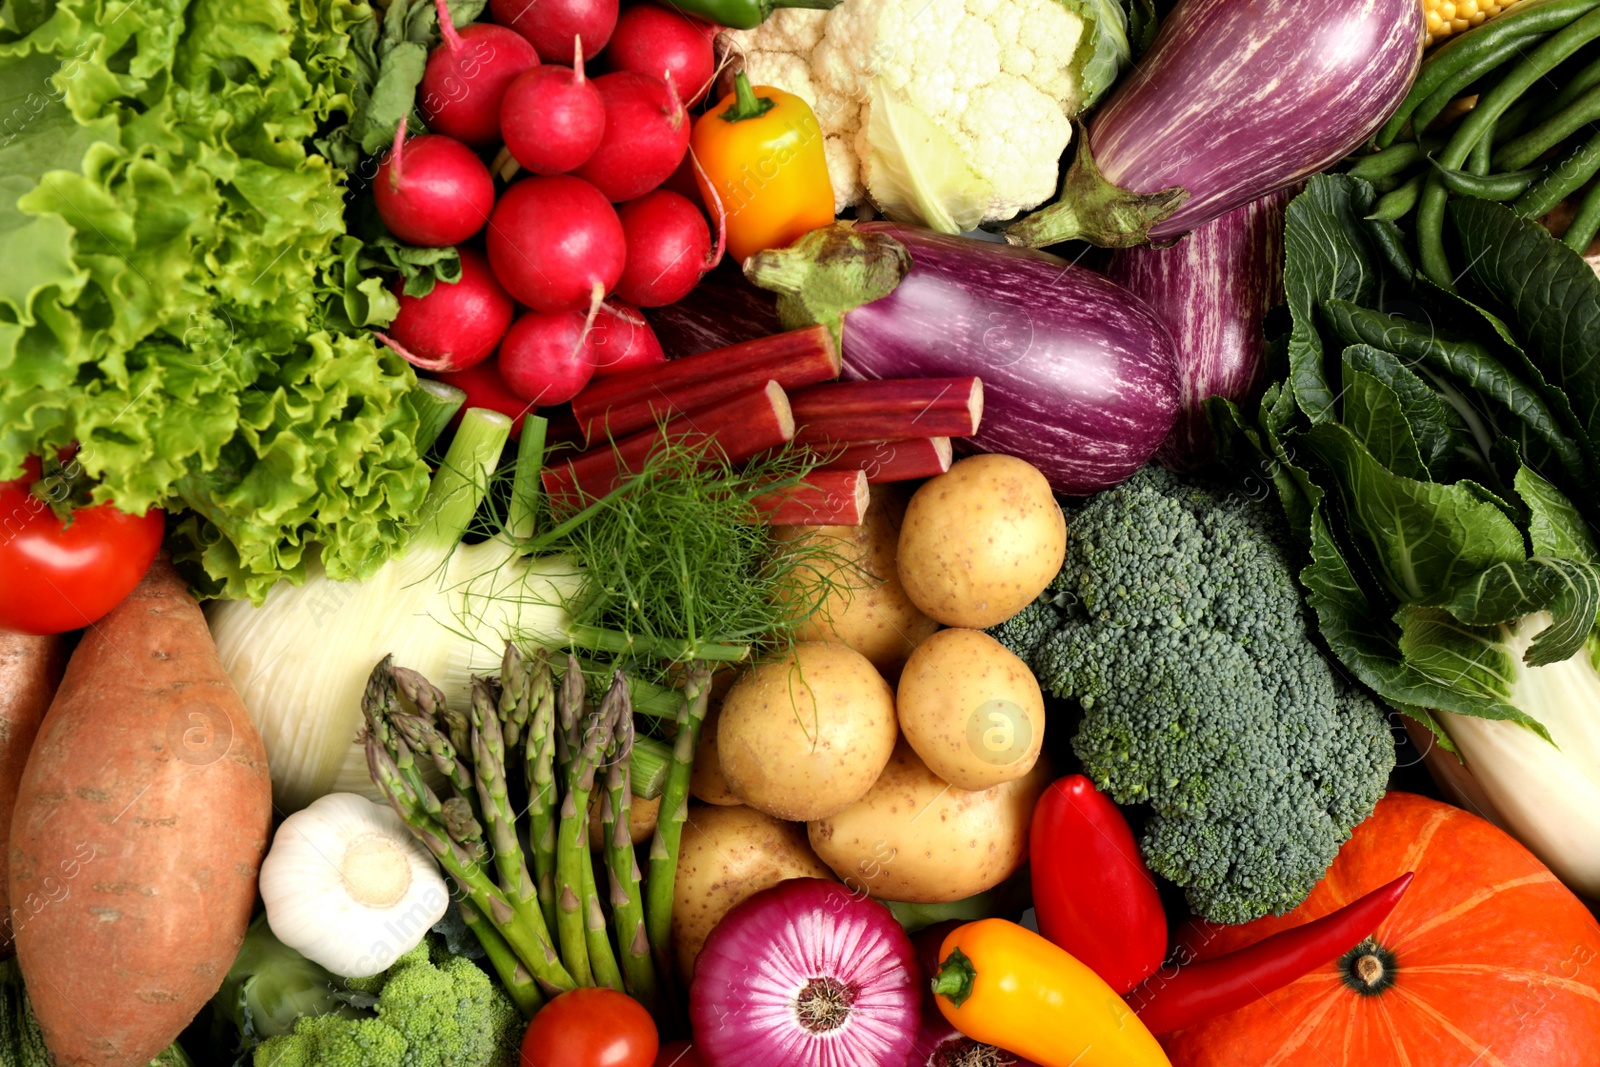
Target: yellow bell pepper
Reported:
[(759, 152), (1004, 985)]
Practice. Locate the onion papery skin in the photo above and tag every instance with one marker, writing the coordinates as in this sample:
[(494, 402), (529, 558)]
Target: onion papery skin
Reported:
[(748, 980)]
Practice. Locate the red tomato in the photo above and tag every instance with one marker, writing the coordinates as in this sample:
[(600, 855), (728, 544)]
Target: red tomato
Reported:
[(55, 578), (678, 1054), (591, 1028)]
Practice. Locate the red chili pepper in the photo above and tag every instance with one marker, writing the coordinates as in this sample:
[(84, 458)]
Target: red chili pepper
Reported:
[(1199, 991), (1092, 892)]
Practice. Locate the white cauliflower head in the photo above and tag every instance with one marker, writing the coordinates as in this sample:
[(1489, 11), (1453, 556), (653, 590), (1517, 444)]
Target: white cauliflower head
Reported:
[(946, 113)]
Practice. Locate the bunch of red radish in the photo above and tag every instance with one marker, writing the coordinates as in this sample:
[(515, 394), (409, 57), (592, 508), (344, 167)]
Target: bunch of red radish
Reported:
[(589, 235)]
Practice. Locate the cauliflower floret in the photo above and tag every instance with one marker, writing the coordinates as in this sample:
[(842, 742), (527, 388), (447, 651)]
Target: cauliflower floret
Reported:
[(997, 78)]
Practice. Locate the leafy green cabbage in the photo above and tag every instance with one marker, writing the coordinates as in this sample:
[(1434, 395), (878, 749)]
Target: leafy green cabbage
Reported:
[(178, 293)]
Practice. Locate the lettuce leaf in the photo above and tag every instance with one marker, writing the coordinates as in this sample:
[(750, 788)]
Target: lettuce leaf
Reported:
[(178, 295)]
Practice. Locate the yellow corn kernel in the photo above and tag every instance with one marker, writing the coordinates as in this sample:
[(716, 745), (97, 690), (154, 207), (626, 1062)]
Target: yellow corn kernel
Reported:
[(1446, 17)]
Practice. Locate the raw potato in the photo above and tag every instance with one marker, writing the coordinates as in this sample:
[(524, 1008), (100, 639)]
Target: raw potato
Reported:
[(981, 541), (971, 709), (805, 735), (706, 781), (140, 826), (728, 854), (869, 611), (30, 670), (642, 815), (918, 839)]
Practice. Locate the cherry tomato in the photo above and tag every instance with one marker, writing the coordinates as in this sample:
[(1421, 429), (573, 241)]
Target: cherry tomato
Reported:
[(591, 1028), (678, 1054), (55, 578)]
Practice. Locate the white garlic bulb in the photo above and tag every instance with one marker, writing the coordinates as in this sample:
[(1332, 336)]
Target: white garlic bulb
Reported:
[(347, 886)]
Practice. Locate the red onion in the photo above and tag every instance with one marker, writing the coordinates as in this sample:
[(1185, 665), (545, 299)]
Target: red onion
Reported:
[(938, 1043), (806, 974)]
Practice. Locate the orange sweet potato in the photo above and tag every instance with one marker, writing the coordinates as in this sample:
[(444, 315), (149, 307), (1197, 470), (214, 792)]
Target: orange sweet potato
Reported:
[(30, 670), (140, 824)]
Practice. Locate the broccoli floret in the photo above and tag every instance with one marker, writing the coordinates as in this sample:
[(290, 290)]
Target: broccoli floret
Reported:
[(1177, 625), (449, 1015)]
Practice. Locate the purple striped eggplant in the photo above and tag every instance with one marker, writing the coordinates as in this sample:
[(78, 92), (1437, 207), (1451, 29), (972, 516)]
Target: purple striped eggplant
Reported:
[(722, 310), (1213, 290), (1080, 378), (1236, 98)]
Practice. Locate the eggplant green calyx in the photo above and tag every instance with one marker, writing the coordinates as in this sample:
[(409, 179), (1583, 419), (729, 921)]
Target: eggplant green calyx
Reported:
[(829, 272), (955, 978), (746, 104), (1092, 209)]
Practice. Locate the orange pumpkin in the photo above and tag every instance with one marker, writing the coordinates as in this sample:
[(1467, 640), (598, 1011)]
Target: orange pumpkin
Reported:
[(1488, 961)]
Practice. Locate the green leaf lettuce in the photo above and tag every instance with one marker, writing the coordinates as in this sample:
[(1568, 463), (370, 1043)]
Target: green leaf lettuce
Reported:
[(178, 293)]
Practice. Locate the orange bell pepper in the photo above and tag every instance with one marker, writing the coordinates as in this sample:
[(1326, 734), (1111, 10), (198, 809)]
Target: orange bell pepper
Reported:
[(759, 153), (1004, 985)]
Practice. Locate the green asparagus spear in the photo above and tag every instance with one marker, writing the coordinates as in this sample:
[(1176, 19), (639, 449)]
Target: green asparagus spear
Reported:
[(580, 750), (388, 757), (489, 759), (379, 704), (602, 958), (674, 813), (541, 775), (622, 862), (514, 708), (423, 735), (531, 946), (430, 701), (515, 977)]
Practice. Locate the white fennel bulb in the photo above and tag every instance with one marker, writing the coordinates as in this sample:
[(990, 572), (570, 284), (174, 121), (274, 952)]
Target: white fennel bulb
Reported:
[(1547, 795), (347, 886), (300, 660)]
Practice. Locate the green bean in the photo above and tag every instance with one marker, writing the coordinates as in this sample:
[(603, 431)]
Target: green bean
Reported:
[(1512, 121), (1524, 20), (1518, 153), (1560, 181), (1482, 152), (1491, 60), (1387, 163), (1580, 235), (1499, 187), (1576, 86), (1398, 204), (1430, 234), (1430, 207)]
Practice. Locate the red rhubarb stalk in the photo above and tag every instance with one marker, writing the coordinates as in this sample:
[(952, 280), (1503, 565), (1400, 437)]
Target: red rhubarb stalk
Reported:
[(1199, 991), (893, 461), (626, 404), (751, 422), (822, 498), (891, 409)]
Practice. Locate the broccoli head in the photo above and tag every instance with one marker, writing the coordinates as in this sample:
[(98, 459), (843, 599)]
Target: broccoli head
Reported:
[(1177, 625), (432, 1011)]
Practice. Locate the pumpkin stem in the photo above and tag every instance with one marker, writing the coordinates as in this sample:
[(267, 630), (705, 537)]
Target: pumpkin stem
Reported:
[(1368, 969)]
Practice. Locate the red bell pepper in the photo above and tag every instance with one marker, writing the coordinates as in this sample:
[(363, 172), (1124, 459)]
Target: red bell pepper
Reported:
[(1092, 892), (1195, 992)]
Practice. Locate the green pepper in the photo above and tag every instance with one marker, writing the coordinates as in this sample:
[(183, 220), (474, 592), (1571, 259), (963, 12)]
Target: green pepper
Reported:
[(741, 14)]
